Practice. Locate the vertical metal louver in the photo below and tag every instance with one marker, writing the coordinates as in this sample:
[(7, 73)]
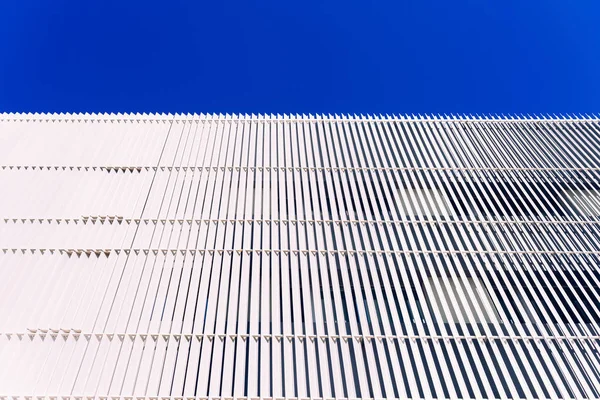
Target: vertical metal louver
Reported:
[(298, 257), (423, 203)]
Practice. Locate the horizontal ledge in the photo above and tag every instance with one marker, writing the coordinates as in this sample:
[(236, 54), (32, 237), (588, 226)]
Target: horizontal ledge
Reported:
[(31, 333), (288, 168), (119, 220), (293, 252), (108, 396)]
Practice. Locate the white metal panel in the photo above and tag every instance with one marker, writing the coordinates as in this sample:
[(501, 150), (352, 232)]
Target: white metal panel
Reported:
[(243, 256)]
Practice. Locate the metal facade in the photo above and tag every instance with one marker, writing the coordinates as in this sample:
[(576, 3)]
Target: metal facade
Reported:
[(297, 257)]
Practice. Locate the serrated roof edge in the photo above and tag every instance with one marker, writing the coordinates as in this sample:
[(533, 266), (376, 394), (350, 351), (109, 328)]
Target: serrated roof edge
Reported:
[(136, 117)]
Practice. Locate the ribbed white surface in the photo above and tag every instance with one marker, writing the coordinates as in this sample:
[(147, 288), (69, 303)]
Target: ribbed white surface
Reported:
[(299, 256)]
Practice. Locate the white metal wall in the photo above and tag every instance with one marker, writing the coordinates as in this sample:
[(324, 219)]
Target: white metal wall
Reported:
[(299, 257)]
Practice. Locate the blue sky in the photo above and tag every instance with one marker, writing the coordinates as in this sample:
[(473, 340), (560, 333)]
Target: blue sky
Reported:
[(421, 56)]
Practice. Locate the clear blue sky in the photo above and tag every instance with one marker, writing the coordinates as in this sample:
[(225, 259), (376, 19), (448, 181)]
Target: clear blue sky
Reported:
[(392, 56)]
